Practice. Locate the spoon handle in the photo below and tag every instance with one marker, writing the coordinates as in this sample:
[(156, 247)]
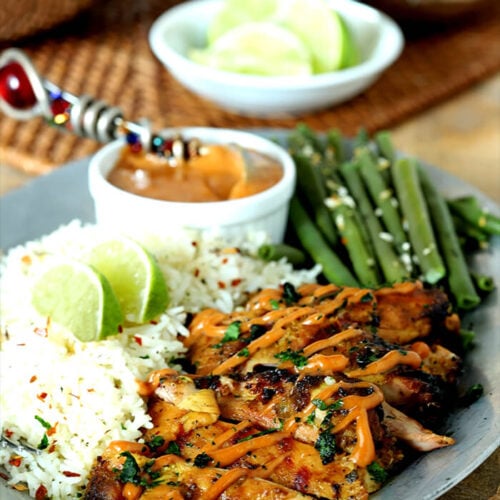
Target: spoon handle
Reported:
[(24, 94)]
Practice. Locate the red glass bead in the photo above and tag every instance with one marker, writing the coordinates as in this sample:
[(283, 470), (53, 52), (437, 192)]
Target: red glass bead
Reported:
[(15, 87), (59, 106)]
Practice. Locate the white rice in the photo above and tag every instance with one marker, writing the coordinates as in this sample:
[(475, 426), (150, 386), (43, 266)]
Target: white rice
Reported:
[(87, 391)]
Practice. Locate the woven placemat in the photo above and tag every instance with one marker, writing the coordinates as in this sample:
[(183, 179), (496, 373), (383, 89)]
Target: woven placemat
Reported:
[(104, 53)]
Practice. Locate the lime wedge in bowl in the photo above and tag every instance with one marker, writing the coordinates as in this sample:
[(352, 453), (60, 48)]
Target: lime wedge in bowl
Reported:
[(79, 298), (257, 48), (236, 12), (322, 31)]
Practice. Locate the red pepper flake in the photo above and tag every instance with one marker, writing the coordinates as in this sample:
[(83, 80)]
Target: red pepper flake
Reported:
[(15, 460), (52, 448), (221, 285), (52, 430), (194, 243), (33, 379), (225, 260), (4, 476), (68, 473), (236, 282), (153, 322), (90, 390), (42, 332), (26, 259), (138, 340), (120, 329), (41, 493), (8, 433), (42, 396), (196, 273)]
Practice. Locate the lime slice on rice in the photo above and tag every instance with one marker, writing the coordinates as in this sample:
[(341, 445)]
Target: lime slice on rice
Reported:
[(135, 277), (236, 12), (320, 28), (257, 48), (80, 299)]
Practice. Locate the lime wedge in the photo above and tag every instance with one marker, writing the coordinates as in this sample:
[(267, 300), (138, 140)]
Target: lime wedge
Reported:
[(135, 277), (257, 48), (350, 50), (236, 12), (80, 299), (320, 29)]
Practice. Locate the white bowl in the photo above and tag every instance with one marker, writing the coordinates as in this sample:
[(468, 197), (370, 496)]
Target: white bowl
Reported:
[(184, 27), (265, 211)]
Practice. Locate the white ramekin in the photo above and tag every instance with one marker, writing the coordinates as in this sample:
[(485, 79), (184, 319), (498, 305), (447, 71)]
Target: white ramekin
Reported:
[(266, 211)]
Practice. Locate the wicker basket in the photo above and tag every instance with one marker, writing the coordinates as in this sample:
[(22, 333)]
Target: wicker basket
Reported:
[(20, 18)]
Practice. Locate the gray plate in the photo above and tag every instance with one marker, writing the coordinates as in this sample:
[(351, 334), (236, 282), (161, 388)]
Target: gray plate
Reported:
[(52, 200)]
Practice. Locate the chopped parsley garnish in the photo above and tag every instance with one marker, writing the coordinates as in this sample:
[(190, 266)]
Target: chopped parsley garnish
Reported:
[(368, 297), (321, 405), (274, 304), (296, 357), (44, 443), (202, 460), (311, 417), (473, 393), (377, 472), (173, 448), (232, 333), (326, 446), (43, 422), (155, 443), (365, 356), (244, 353), (290, 295), (130, 470)]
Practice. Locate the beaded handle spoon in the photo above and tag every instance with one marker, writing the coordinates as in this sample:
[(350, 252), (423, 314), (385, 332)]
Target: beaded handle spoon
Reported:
[(25, 95)]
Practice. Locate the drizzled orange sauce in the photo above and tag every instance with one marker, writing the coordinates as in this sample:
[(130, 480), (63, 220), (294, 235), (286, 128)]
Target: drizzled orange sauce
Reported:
[(227, 435), (224, 482), (132, 491), (320, 364), (228, 455), (387, 362)]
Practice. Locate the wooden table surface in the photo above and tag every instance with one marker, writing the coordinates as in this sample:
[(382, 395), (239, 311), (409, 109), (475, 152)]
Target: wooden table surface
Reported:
[(461, 136)]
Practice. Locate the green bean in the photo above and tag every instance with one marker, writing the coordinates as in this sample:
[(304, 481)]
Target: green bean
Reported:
[(277, 251), (389, 261), (354, 234), (335, 142), (485, 284), (384, 145), (469, 209), (386, 154), (458, 276), (414, 208), (346, 220), (304, 138), (310, 185), (382, 196), (313, 242), (470, 232)]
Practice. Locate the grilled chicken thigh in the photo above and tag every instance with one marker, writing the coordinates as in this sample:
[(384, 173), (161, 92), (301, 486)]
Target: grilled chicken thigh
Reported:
[(315, 392)]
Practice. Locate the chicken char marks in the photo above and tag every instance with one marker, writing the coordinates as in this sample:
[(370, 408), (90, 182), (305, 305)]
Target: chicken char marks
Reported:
[(311, 393)]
